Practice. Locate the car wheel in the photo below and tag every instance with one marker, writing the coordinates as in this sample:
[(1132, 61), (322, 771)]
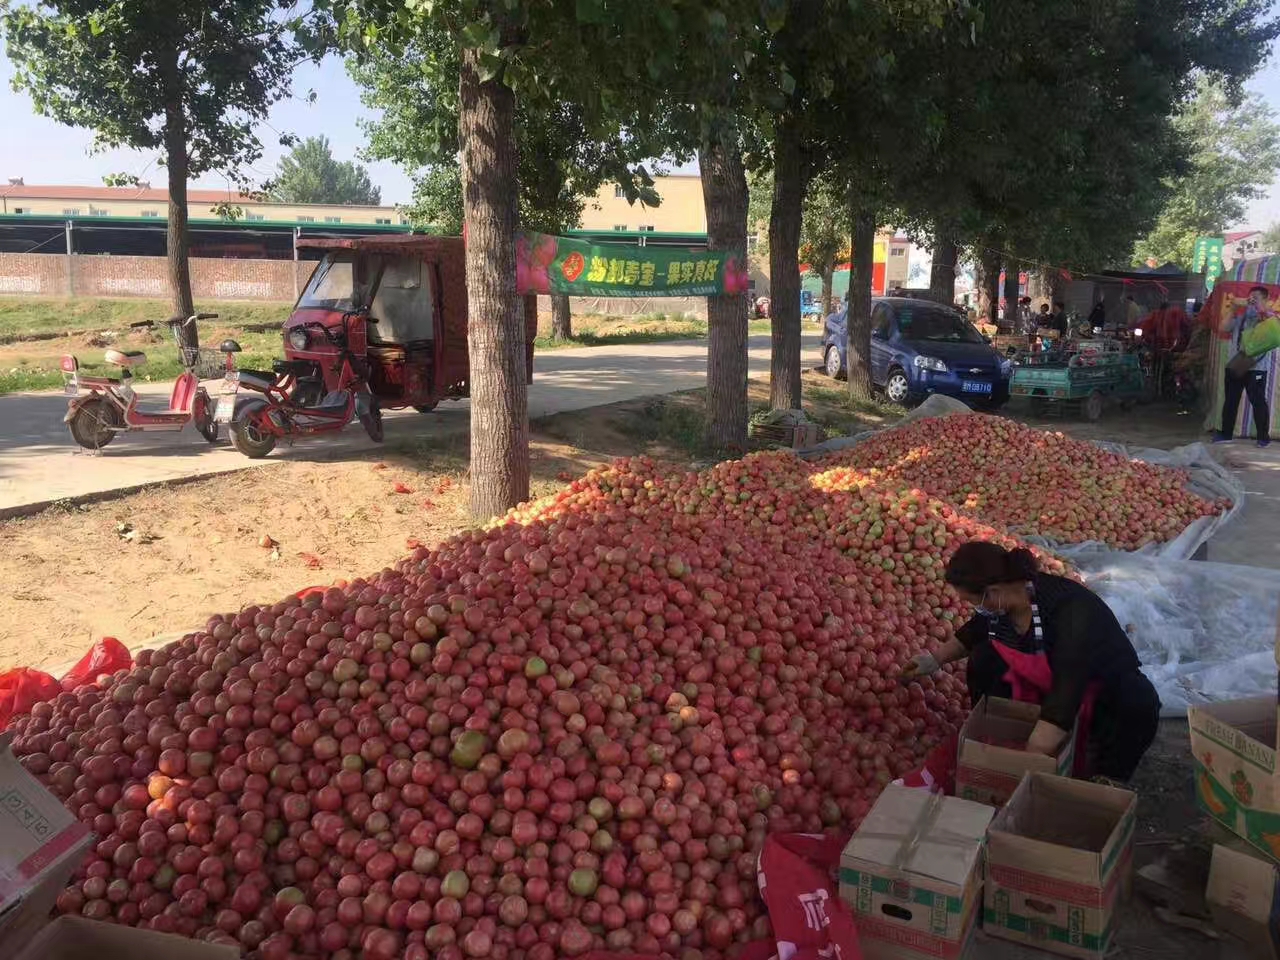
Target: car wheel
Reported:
[(897, 387), (832, 362)]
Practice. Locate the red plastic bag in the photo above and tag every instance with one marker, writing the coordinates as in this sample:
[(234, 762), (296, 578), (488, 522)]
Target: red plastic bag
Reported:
[(798, 886), (21, 689), (103, 659)]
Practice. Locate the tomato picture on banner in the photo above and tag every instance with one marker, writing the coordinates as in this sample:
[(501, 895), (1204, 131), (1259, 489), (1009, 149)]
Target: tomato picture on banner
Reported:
[(547, 264), (573, 266)]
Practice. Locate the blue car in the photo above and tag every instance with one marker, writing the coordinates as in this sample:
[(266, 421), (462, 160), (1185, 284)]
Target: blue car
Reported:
[(920, 348)]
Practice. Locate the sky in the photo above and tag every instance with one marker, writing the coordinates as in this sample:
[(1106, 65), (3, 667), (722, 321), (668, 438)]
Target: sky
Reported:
[(42, 151)]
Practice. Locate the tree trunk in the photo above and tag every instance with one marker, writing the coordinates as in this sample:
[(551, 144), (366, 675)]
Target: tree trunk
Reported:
[(990, 292), (724, 194), (784, 270), (858, 349), (828, 276), (561, 318), (1011, 295), (495, 313), (1057, 285), (175, 145), (942, 276)]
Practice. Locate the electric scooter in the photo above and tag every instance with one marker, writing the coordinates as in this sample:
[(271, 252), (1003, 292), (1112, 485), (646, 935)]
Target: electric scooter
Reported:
[(102, 407)]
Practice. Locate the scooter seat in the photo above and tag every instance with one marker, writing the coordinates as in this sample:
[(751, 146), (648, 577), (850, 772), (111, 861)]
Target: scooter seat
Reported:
[(229, 346), (125, 358), (260, 379)]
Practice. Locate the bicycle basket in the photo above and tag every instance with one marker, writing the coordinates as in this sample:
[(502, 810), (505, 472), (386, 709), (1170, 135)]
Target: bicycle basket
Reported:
[(205, 364)]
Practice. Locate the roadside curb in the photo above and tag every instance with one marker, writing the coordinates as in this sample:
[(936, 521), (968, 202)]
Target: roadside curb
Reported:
[(115, 493)]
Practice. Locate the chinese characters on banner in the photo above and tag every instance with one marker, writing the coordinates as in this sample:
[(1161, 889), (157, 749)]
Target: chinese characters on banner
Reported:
[(547, 264), (1207, 258)]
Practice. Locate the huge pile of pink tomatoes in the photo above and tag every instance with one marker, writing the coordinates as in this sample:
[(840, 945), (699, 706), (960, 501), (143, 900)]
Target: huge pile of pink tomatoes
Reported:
[(570, 731), (1033, 481)]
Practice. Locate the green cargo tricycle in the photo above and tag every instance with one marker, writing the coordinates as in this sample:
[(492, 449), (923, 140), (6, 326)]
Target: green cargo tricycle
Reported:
[(1089, 376)]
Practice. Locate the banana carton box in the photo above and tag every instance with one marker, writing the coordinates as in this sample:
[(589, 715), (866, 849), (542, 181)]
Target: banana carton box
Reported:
[(1233, 745)]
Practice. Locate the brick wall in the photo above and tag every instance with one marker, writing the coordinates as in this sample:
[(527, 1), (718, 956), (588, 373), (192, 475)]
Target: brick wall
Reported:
[(33, 274), (28, 274)]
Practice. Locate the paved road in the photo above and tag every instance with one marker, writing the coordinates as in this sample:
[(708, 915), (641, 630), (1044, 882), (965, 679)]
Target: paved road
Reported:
[(39, 463)]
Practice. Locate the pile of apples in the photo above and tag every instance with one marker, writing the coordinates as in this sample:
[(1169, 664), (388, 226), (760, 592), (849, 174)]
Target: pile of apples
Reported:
[(1032, 482), (567, 732)]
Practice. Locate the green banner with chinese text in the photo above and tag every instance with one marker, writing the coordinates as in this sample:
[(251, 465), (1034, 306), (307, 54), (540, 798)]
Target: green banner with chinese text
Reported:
[(547, 264)]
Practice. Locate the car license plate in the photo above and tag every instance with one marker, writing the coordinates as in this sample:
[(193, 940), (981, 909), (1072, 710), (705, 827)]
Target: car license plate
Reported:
[(226, 410), (974, 386), (71, 388), (231, 383)]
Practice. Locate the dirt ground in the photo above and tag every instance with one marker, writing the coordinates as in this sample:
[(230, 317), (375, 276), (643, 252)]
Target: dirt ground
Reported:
[(160, 561)]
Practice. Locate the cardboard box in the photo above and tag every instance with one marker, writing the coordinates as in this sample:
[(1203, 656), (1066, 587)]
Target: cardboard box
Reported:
[(1059, 857), (41, 844), (75, 938), (1233, 746), (1244, 898), (989, 773), (913, 874)]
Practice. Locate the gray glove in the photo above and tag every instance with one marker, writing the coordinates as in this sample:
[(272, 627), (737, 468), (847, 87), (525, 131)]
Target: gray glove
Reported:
[(921, 665)]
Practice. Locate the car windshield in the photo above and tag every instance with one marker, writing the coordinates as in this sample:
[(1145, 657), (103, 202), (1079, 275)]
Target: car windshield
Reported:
[(332, 286), (935, 324)]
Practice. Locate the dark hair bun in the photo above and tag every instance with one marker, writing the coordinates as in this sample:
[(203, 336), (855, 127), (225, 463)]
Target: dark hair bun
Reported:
[(978, 564), (1021, 564)]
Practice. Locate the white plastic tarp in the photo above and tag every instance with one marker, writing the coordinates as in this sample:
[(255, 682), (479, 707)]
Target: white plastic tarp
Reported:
[(1203, 632)]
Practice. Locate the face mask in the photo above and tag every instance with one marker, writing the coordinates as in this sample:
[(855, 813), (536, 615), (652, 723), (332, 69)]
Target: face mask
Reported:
[(983, 610)]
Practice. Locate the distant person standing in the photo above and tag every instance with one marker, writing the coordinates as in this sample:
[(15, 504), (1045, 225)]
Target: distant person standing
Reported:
[(1251, 381), (1098, 316), (1058, 319)]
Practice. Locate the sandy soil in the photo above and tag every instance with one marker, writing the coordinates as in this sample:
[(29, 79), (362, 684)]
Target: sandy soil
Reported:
[(162, 560)]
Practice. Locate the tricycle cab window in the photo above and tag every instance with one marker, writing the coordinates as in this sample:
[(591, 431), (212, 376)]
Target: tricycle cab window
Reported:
[(333, 285), (402, 302)]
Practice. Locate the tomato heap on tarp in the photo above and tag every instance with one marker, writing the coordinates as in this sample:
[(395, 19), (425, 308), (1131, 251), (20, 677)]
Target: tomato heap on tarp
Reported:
[(569, 731), (1032, 480)]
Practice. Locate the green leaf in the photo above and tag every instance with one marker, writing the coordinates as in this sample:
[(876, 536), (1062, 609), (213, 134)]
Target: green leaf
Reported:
[(490, 66), (478, 35), (591, 11), (775, 14), (787, 82), (717, 20)]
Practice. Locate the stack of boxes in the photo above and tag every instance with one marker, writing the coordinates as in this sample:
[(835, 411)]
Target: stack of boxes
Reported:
[(1057, 863), (1233, 748)]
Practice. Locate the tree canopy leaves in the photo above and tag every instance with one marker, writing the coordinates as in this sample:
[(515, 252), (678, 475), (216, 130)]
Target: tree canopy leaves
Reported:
[(1233, 152), (310, 174), (128, 71)]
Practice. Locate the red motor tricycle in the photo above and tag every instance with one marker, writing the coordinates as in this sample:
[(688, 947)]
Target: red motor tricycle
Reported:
[(294, 400), (110, 405)]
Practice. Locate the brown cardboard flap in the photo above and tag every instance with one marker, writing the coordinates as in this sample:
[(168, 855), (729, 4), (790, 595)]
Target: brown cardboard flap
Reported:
[(998, 719), (1255, 717), (1070, 827), (923, 834), (75, 938), (1241, 894)]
